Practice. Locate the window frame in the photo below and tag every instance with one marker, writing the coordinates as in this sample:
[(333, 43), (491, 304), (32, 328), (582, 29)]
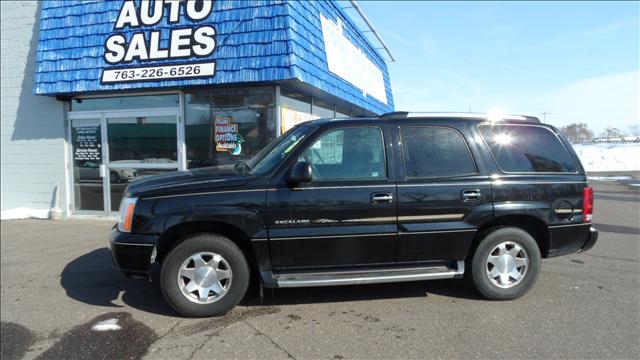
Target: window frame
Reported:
[(402, 153), (384, 152), (575, 163)]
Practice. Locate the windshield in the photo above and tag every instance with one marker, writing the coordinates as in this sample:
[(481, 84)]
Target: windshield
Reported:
[(277, 150)]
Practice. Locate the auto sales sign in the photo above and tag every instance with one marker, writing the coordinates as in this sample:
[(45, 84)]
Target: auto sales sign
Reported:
[(136, 38)]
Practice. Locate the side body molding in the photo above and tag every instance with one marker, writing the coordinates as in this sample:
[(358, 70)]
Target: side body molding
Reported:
[(538, 210)]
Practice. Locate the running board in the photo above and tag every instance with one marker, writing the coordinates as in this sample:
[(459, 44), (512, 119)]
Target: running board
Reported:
[(365, 276)]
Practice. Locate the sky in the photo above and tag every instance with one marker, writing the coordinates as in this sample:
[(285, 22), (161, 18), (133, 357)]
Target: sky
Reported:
[(577, 61)]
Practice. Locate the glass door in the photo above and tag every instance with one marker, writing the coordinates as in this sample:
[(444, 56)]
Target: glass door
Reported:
[(88, 167), (110, 149), (139, 145)]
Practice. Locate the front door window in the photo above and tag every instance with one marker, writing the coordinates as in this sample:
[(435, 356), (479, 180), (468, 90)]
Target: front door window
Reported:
[(347, 154)]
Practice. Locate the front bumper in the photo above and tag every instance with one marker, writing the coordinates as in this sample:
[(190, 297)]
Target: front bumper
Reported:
[(133, 253)]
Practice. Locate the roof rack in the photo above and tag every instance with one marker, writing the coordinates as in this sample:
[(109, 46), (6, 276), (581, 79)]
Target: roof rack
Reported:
[(464, 115)]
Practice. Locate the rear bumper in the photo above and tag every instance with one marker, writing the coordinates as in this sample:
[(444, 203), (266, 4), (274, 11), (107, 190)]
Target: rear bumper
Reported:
[(133, 253), (591, 241), (570, 239)]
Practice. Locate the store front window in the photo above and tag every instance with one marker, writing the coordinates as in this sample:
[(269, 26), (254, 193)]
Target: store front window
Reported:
[(224, 126), (323, 110), (342, 111), (295, 101), (126, 102), (295, 108), (148, 139)]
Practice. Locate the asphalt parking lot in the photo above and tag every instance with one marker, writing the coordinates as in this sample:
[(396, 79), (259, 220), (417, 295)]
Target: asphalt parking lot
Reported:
[(58, 282)]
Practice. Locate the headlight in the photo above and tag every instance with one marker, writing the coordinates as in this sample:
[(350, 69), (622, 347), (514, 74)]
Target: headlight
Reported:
[(125, 215)]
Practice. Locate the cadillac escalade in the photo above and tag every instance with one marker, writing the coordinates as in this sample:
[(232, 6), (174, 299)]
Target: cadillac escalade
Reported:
[(402, 197)]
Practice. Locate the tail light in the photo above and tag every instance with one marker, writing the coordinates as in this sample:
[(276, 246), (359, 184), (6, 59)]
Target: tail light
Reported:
[(587, 204)]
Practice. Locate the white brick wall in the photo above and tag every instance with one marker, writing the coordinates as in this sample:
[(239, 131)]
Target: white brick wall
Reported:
[(32, 131)]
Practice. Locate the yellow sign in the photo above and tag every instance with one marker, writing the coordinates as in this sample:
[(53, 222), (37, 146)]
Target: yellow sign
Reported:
[(290, 118)]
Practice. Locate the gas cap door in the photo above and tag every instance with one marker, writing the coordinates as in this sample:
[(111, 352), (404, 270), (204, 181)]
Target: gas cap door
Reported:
[(564, 210)]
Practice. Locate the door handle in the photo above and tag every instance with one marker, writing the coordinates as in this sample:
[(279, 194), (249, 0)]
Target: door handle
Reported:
[(103, 170), (381, 198), (471, 195)]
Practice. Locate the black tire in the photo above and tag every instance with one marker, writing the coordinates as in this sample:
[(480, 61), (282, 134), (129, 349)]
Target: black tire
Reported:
[(114, 177), (478, 266), (204, 243)]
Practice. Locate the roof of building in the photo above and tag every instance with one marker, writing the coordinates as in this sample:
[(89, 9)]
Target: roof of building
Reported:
[(256, 42)]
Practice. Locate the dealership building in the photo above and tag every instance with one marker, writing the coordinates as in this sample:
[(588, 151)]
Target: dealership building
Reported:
[(96, 93)]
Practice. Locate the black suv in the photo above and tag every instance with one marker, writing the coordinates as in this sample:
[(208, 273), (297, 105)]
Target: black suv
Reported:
[(402, 197)]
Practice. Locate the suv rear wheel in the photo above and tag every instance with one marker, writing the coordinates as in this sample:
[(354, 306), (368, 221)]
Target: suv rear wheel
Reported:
[(205, 275), (506, 264)]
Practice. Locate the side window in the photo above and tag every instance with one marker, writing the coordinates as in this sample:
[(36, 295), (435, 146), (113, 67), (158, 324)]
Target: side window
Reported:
[(350, 153), (431, 151), (519, 148)]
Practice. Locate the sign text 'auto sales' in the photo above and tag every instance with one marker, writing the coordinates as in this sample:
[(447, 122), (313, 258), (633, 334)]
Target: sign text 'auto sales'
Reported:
[(195, 41)]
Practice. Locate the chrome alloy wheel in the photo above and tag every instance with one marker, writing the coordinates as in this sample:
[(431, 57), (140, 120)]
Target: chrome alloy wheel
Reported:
[(205, 277), (507, 264)]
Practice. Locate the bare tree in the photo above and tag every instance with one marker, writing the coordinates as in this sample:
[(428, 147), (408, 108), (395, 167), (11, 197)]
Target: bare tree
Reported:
[(611, 133), (577, 132), (634, 130)]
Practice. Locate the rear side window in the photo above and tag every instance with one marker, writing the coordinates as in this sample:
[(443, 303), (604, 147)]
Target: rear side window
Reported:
[(430, 151), (527, 149)]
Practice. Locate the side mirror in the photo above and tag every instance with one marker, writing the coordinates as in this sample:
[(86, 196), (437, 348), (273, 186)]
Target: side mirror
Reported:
[(300, 172)]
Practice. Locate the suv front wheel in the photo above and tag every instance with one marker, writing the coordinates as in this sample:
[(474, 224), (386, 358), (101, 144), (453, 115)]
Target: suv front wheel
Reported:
[(205, 275), (506, 264)]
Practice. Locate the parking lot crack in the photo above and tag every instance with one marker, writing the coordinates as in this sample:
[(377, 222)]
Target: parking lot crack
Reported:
[(270, 339), (611, 258), (193, 353), (170, 330)]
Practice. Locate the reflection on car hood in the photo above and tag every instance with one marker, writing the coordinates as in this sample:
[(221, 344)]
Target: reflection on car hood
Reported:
[(178, 181)]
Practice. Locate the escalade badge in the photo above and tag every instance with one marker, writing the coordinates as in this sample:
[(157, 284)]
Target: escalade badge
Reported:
[(293, 222)]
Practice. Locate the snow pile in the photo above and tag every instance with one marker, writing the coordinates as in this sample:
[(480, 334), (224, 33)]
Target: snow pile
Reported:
[(609, 157), (24, 213)]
